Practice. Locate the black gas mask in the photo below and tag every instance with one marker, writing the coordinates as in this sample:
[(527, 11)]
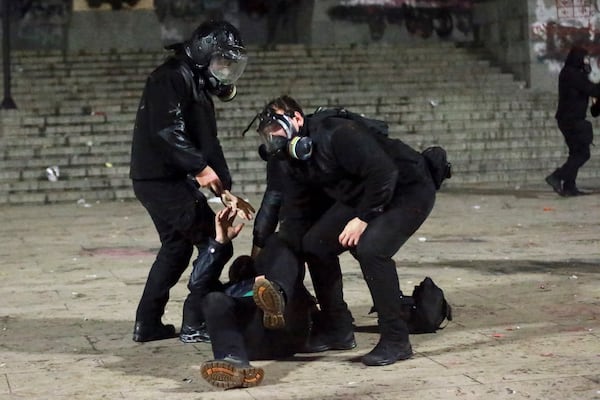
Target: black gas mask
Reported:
[(217, 51), (224, 70), (280, 136)]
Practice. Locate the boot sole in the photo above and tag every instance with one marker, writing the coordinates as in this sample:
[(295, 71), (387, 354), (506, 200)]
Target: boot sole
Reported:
[(226, 375), (271, 302)]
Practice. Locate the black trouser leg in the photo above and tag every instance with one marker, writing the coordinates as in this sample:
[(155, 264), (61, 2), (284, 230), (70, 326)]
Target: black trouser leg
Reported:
[(379, 243), (280, 265), (234, 326), (578, 137), (322, 248), (172, 259), (181, 220)]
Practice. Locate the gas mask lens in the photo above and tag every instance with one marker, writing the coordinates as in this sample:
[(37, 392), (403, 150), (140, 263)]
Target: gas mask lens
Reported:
[(228, 67), (275, 130), (271, 134), (273, 124)]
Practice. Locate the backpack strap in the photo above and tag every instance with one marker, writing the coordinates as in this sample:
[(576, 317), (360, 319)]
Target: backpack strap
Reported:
[(448, 315)]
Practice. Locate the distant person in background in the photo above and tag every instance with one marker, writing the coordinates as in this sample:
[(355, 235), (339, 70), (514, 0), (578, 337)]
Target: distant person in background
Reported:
[(574, 92), (174, 152)]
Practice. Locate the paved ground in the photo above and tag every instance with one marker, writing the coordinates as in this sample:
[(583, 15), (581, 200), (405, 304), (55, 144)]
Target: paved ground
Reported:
[(521, 268)]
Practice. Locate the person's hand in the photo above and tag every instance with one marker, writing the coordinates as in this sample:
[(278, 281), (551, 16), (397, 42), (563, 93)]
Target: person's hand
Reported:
[(225, 231), (208, 179), (242, 207), (352, 232)]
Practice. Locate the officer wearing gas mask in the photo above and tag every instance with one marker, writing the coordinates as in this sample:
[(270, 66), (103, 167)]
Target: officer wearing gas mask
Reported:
[(175, 150), (347, 188), (574, 92)]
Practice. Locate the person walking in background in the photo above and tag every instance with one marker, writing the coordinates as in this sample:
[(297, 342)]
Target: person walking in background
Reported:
[(174, 152), (574, 92)]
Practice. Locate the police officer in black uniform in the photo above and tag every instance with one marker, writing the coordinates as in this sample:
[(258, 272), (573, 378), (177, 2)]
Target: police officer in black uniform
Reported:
[(382, 191), (574, 92), (175, 150)]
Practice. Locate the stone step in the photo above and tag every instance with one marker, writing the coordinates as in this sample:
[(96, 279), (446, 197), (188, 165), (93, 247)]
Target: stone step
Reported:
[(114, 164), (119, 189), (113, 137), (370, 104), (80, 114)]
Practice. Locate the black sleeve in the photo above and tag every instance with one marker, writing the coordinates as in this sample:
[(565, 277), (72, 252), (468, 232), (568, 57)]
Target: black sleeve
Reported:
[(296, 213), (581, 82), (267, 217), (204, 127), (171, 94), (208, 266)]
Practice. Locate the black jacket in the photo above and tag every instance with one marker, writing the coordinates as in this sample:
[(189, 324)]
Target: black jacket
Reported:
[(574, 88), (175, 131), (349, 164)]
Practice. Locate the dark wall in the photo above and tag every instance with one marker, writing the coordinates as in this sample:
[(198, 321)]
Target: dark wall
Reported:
[(502, 27), (52, 24)]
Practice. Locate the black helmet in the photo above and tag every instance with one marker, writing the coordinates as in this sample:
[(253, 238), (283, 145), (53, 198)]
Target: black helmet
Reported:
[(217, 46)]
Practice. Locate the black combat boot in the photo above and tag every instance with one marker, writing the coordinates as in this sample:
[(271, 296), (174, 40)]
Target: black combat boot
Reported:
[(146, 332), (330, 333), (387, 352)]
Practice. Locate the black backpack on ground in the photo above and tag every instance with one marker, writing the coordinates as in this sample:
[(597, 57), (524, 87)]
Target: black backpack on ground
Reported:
[(427, 308)]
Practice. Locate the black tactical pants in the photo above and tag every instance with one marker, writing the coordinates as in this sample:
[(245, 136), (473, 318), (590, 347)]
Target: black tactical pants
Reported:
[(379, 243), (578, 137), (182, 218)]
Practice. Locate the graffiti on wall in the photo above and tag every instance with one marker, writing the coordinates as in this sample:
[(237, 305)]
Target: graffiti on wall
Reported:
[(561, 24), (421, 18)]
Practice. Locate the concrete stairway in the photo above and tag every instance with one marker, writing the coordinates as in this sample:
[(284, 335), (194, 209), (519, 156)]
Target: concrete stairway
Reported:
[(76, 111)]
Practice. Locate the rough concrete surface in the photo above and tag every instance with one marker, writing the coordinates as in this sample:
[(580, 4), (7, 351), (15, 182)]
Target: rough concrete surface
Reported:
[(521, 269)]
